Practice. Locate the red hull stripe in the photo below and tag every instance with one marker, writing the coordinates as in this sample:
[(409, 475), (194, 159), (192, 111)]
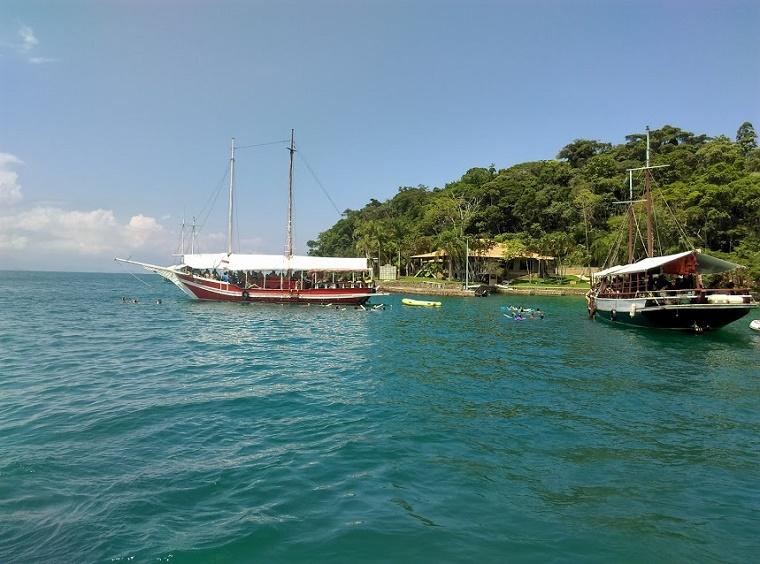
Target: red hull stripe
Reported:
[(222, 291)]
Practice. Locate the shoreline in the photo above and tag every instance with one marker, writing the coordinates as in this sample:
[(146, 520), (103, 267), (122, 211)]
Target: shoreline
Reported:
[(440, 290)]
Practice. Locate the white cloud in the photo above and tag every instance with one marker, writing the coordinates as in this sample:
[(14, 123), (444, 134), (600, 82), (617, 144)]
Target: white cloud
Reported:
[(10, 189), (80, 233), (51, 229), (25, 45), (28, 39), (41, 60), (142, 230)]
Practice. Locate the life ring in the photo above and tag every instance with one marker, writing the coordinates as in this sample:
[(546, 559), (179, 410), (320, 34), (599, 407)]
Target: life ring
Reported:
[(245, 295)]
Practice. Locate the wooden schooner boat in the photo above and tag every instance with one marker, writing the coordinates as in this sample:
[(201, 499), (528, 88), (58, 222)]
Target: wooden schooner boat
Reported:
[(664, 291), (286, 278)]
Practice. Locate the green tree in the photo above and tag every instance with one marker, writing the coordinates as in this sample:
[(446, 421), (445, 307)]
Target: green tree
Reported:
[(580, 150), (557, 244), (710, 190), (746, 137)]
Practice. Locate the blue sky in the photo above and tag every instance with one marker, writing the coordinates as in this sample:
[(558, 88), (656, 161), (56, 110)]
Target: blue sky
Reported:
[(116, 116)]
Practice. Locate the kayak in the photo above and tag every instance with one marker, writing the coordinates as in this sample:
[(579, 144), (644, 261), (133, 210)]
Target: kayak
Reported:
[(755, 325), (420, 303)]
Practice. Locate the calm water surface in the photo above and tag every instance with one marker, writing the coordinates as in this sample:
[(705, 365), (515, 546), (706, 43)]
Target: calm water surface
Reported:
[(190, 432)]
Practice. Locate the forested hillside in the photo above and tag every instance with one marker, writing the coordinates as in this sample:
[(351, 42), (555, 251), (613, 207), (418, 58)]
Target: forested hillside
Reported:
[(708, 197)]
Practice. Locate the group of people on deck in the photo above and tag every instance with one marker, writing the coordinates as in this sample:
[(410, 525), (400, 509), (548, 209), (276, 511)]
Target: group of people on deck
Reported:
[(300, 280), (631, 284)]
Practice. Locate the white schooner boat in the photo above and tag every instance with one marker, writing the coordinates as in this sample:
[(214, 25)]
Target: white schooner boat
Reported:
[(287, 278)]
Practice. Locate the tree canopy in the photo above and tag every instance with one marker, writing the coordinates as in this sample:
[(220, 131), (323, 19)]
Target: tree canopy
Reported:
[(707, 197)]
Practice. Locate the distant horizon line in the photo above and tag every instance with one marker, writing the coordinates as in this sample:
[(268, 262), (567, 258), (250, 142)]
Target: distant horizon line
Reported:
[(74, 271)]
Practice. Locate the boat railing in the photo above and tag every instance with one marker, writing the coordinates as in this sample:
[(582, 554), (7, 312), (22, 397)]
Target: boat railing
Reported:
[(684, 296)]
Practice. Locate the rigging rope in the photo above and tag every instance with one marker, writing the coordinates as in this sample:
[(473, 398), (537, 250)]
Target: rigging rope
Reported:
[(263, 144), (656, 230), (208, 207), (133, 274), (638, 232), (681, 231), (324, 190), (614, 248), (210, 203)]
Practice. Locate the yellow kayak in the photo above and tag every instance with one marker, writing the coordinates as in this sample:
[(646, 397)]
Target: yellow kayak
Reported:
[(420, 303)]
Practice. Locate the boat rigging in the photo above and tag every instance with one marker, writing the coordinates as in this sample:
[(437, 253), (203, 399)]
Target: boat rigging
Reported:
[(664, 291), (285, 278)]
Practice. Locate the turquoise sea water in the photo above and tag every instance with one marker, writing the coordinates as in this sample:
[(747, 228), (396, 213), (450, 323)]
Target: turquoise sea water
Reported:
[(194, 432)]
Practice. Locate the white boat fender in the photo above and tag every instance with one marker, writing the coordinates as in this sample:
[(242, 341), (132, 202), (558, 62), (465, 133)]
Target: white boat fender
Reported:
[(632, 311)]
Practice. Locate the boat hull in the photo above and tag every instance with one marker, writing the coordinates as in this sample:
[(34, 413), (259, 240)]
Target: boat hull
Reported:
[(688, 317), (217, 290)]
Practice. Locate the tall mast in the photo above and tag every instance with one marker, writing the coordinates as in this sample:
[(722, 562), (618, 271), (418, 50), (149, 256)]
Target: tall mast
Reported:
[(292, 149), (630, 217), (192, 238), (232, 187), (648, 204), (182, 236)]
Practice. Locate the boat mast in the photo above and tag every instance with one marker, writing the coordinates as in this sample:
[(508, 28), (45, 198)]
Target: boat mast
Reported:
[(232, 187), (182, 236), (292, 149), (192, 238), (630, 218), (648, 204)]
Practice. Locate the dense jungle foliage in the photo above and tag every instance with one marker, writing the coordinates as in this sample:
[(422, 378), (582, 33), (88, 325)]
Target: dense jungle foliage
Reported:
[(708, 197)]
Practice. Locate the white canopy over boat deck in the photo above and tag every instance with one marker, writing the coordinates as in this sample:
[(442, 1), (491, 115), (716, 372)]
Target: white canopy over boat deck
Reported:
[(278, 263), (706, 264)]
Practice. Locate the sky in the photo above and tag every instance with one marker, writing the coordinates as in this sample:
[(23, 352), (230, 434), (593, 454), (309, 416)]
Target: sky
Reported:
[(116, 115)]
